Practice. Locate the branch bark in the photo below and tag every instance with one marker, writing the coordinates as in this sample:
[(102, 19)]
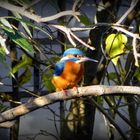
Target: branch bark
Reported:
[(34, 17), (95, 90)]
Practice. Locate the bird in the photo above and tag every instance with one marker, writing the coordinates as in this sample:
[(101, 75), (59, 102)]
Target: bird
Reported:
[(69, 70)]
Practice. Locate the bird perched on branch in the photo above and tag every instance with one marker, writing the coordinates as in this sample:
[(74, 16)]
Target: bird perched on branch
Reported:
[(70, 69)]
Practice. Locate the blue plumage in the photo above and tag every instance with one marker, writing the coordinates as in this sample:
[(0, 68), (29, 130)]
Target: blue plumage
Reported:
[(69, 70), (72, 51), (61, 64)]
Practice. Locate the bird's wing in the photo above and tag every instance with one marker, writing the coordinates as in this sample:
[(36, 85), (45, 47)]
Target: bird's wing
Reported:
[(59, 68)]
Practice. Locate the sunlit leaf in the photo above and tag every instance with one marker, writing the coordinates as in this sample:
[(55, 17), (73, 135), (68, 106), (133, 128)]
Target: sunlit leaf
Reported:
[(115, 44), (5, 22), (24, 62), (7, 28), (3, 44)]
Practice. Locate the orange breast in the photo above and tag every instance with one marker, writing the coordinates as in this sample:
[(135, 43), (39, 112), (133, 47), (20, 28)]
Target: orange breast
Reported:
[(70, 76)]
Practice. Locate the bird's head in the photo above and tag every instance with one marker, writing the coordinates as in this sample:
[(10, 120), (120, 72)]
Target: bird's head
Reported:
[(78, 55)]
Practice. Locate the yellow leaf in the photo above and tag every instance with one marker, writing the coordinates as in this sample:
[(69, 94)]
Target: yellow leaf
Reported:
[(115, 44)]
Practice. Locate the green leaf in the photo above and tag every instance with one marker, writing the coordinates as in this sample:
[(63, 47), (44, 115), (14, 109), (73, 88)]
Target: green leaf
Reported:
[(34, 26), (23, 23), (2, 55), (3, 107), (5, 22), (21, 41), (113, 76), (46, 79), (115, 44), (23, 63), (7, 28), (137, 73), (25, 76), (85, 20), (100, 100), (3, 45), (18, 39)]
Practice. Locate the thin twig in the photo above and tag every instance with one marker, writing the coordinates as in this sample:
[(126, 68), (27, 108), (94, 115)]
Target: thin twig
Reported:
[(70, 34), (90, 27), (133, 4), (82, 42), (37, 18), (74, 8), (110, 119), (126, 32), (135, 51), (60, 14)]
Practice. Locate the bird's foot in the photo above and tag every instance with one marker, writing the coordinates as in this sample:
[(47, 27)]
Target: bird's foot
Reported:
[(64, 92), (76, 89)]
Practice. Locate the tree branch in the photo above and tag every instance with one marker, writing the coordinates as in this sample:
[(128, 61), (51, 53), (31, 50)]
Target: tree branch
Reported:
[(70, 34), (96, 90), (37, 18), (132, 6)]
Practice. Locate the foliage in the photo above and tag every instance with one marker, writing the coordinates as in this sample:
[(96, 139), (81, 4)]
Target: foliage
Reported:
[(2, 55), (37, 44), (115, 44), (46, 79), (137, 73), (17, 38)]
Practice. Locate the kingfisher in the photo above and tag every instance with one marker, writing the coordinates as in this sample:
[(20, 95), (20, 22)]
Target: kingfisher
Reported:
[(69, 70)]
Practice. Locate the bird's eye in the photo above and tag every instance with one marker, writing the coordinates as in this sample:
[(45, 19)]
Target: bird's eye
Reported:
[(77, 55)]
